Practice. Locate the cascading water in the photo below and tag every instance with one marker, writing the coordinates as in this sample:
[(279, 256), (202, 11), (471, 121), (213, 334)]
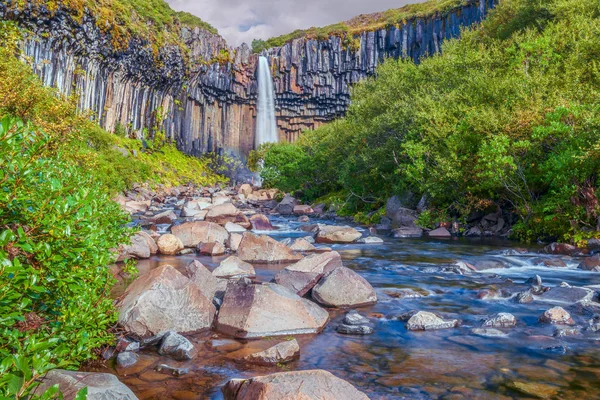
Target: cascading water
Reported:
[(266, 127)]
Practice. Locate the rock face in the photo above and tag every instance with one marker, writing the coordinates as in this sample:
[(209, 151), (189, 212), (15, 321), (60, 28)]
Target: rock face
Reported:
[(302, 276), (193, 233), (210, 107), (264, 249), (162, 300), (100, 386), (281, 353), (311, 384), (253, 311), (344, 288), (337, 234)]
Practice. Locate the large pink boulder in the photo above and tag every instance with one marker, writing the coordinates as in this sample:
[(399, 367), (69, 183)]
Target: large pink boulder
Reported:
[(193, 233), (303, 275), (264, 249)]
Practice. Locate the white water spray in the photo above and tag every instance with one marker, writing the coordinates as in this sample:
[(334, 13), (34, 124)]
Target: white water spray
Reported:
[(266, 127)]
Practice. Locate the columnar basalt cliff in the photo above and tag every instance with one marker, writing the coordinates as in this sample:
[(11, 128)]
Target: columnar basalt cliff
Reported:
[(206, 105)]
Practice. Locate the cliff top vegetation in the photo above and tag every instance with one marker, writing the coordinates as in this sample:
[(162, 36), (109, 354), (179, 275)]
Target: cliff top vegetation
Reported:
[(364, 22), (151, 20)]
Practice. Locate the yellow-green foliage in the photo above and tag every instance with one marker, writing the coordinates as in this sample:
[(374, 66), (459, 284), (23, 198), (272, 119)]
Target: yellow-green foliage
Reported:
[(23, 95), (363, 23)]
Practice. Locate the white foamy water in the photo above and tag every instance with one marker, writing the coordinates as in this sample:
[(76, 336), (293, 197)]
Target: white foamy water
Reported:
[(266, 127)]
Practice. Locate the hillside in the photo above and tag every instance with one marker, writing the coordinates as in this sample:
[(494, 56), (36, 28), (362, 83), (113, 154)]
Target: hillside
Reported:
[(365, 22)]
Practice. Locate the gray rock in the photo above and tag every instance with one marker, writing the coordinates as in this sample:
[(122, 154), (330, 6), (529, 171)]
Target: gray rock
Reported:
[(500, 320), (344, 288), (100, 386), (309, 384), (302, 276), (354, 318), (566, 295), (370, 240), (281, 353), (439, 233), (404, 233), (127, 359), (354, 329), (177, 347), (426, 321)]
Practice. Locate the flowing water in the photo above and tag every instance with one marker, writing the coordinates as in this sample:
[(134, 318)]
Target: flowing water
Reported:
[(394, 363), (266, 126)]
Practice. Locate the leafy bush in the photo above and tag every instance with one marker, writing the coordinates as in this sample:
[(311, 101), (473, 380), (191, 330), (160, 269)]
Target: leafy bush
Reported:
[(57, 229), (506, 115)]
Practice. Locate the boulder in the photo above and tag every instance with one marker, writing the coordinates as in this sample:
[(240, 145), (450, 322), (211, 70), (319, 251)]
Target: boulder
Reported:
[(162, 300), (227, 213), (142, 246), (439, 233), (217, 200), (165, 217), (426, 321), (169, 244), (195, 207), (337, 234), (500, 320), (286, 206), (211, 249), (100, 386), (344, 288), (261, 222), (303, 219), (135, 207), (302, 244), (192, 233), (304, 275), (264, 249), (408, 233), (557, 316), (281, 353), (234, 241), (233, 267), (176, 346), (127, 359), (303, 210), (234, 228), (203, 279), (310, 384), (560, 249), (402, 217), (245, 189), (591, 263), (254, 311)]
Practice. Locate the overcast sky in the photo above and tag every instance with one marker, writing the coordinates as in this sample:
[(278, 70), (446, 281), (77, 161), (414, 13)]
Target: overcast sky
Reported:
[(243, 20)]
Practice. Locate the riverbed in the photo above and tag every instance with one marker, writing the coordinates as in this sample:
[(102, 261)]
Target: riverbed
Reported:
[(395, 363)]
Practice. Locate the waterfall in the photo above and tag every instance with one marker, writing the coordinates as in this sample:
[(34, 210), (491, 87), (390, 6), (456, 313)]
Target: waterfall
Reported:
[(266, 127)]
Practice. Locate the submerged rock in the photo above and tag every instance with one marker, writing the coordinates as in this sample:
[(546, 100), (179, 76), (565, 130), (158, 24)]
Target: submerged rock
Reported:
[(162, 300), (253, 311), (281, 353), (310, 384), (164, 368), (489, 332), (566, 295), (344, 288), (591, 264), (264, 249), (354, 324), (427, 321), (100, 386), (304, 275)]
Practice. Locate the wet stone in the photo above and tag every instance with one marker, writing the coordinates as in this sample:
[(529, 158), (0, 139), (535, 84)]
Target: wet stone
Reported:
[(536, 390), (594, 323), (127, 359), (557, 316), (565, 332), (354, 318), (354, 329), (426, 321), (167, 369), (177, 347), (500, 320), (404, 294), (566, 295), (489, 332)]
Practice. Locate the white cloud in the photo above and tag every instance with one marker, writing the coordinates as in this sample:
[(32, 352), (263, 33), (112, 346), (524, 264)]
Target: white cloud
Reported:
[(243, 20)]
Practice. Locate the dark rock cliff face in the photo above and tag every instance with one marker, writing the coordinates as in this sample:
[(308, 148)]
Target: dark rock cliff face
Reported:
[(210, 107)]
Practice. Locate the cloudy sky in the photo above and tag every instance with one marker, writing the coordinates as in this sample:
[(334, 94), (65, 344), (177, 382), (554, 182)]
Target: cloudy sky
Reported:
[(243, 20)]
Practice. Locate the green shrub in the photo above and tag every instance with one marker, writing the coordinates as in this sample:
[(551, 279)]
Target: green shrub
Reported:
[(57, 229), (506, 115)]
